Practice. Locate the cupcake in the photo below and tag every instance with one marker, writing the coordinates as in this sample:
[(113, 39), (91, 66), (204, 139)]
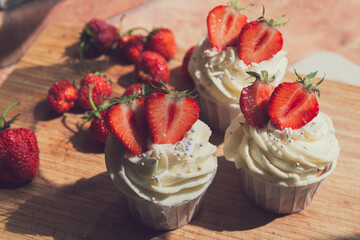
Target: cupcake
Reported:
[(285, 150), (159, 156), (221, 60)]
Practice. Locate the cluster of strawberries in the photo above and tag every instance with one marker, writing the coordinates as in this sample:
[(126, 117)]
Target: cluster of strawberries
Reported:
[(94, 87), (148, 53)]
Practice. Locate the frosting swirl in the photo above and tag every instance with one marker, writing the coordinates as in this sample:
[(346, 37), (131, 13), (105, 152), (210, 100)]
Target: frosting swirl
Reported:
[(224, 75), (289, 156), (168, 173)]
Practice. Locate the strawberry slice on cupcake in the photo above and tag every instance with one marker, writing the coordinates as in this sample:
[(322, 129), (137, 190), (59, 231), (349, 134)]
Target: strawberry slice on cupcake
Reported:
[(224, 24), (293, 105), (259, 40), (162, 117)]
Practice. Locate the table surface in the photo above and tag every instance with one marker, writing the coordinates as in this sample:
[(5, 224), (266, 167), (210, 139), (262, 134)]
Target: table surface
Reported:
[(73, 197)]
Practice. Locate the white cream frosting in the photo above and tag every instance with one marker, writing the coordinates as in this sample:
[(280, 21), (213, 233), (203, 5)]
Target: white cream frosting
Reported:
[(167, 174), (223, 75), (289, 157)]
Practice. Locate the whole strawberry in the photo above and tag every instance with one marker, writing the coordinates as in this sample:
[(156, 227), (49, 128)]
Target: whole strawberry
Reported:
[(97, 128), (152, 68), (185, 63), (294, 104), (97, 37), (61, 96), (19, 152), (260, 40), (136, 88), (102, 88), (131, 47), (162, 41)]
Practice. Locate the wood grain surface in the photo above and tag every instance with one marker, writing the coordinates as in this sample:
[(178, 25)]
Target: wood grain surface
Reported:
[(73, 197)]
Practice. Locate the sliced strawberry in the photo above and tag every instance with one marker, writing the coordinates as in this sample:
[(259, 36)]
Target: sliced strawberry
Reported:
[(127, 121), (170, 117), (260, 40), (293, 105), (254, 100), (224, 24)]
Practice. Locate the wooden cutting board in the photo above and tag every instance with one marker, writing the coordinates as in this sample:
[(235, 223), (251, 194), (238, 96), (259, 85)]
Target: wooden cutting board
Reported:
[(73, 197)]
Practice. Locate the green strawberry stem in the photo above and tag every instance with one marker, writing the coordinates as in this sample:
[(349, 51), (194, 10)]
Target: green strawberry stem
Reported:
[(175, 93), (95, 109), (131, 31), (272, 22), (264, 76), (235, 4), (6, 124), (306, 81)]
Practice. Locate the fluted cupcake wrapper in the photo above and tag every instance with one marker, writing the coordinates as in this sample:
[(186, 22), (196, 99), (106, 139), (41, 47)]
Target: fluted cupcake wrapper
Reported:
[(162, 217), (218, 115), (279, 198)]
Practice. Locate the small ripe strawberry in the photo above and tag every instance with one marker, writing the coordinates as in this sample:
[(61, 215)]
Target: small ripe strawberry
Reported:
[(254, 99), (136, 88), (102, 88), (152, 68), (185, 63), (131, 47), (170, 115), (97, 128), (293, 105), (260, 40), (97, 37), (224, 24), (61, 96), (19, 152), (126, 120), (162, 41)]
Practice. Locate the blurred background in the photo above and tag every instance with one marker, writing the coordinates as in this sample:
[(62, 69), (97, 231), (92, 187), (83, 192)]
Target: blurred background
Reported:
[(325, 26)]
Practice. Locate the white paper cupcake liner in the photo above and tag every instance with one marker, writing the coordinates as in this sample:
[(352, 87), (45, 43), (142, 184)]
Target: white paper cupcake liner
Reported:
[(162, 217), (218, 115), (151, 214), (278, 198)]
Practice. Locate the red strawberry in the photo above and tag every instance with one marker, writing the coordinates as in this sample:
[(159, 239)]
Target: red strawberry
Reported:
[(126, 120), (97, 38), (97, 128), (254, 99), (293, 105), (162, 41), (170, 115), (151, 67), (61, 96), (19, 152), (185, 63), (131, 47), (224, 24), (136, 88), (260, 40), (102, 88)]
